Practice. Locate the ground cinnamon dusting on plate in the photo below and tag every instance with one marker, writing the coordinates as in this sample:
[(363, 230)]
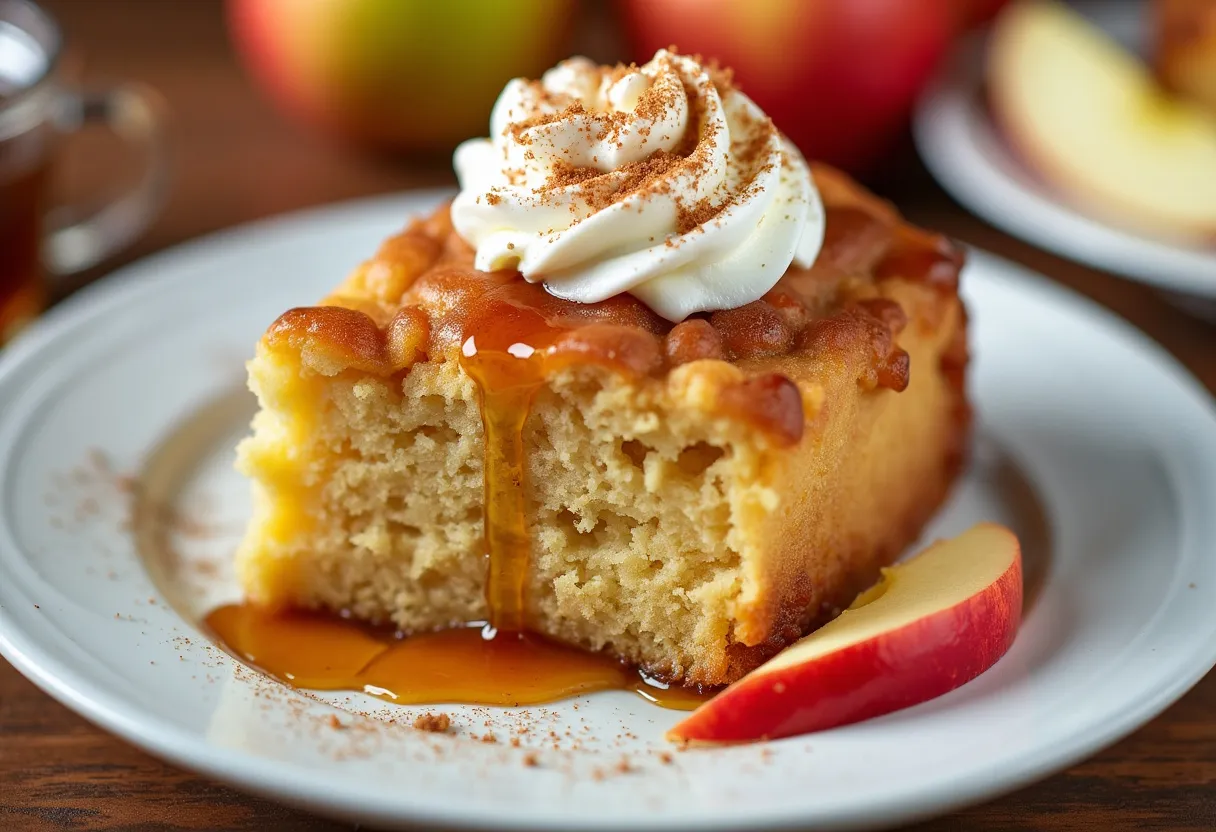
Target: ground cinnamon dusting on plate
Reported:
[(433, 723)]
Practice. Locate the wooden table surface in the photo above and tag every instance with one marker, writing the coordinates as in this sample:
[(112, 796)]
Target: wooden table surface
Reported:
[(236, 161)]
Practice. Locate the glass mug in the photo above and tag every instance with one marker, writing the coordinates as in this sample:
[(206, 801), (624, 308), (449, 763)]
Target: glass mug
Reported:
[(36, 111)]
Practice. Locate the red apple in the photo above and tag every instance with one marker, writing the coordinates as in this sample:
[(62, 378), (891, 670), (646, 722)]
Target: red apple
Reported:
[(975, 12), (838, 77), (396, 74), (930, 625)]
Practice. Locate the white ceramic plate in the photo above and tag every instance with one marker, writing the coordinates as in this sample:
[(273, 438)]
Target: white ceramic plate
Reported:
[(1095, 447), (963, 149)]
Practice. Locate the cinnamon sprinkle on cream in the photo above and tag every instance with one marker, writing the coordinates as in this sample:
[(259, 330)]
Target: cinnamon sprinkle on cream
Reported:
[(663, 156)]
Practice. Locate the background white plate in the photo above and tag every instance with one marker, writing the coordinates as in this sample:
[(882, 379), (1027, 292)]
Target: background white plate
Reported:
[(1094, 446), (964, 151)]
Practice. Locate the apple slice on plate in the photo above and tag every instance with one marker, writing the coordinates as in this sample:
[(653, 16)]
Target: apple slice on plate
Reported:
[(930, 625), (1088, 116)]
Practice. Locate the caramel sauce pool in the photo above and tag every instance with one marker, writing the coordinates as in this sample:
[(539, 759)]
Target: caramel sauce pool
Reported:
[(326, 652)]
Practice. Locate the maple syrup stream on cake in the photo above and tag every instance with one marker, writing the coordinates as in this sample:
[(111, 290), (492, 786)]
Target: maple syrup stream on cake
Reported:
[(498, 663)]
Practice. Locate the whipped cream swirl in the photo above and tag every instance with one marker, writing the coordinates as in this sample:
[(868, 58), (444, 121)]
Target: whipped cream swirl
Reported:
[(663, 181)]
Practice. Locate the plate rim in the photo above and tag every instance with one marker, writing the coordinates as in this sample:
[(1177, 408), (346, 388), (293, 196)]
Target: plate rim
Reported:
[(193, 752)]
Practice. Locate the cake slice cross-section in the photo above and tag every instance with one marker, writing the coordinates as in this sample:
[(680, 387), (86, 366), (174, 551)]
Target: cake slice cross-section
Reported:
[(690, 497)]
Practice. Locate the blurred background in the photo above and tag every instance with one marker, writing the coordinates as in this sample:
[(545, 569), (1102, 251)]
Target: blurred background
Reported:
[(274, 105)]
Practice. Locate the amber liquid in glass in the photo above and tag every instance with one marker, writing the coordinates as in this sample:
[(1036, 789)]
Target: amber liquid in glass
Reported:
[(24, 177)]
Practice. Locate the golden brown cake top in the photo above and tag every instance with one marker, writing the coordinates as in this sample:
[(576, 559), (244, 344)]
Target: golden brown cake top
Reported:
[(420, 297)]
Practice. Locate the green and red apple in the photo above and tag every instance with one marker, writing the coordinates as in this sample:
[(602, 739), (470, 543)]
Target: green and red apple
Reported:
[(839, 78), (930, 625), (396, 74)]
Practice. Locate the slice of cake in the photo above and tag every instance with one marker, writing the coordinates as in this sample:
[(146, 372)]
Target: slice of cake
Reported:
[(552, 416)]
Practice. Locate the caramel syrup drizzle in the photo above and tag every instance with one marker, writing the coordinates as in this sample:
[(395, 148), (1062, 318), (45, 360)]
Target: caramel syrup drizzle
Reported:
[(506, 532), (503, 352)]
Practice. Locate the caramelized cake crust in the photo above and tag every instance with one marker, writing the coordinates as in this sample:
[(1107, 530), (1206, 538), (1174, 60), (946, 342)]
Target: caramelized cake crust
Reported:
[(697, 495)]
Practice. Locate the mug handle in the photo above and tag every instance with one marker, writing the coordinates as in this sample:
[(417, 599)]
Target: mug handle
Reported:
[(135, 114)]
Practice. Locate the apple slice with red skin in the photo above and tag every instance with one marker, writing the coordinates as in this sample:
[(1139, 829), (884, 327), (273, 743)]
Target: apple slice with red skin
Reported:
[(930, 625)]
